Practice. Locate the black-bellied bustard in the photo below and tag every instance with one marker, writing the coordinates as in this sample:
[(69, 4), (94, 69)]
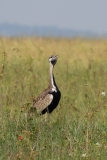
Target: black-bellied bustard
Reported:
[(48, 100)]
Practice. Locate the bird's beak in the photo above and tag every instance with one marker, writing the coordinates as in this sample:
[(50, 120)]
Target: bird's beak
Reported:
[(57, 56)]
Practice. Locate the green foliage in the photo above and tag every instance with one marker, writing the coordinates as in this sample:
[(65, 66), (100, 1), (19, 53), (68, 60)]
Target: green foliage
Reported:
[(77, 129)]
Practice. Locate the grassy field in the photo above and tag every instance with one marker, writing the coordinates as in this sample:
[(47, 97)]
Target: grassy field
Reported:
[(78, 127)]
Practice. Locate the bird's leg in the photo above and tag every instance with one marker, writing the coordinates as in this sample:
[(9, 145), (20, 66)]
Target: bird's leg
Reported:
[(47, 115)]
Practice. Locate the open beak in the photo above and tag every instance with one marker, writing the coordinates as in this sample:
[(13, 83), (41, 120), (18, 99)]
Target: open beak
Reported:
[(57, 56)]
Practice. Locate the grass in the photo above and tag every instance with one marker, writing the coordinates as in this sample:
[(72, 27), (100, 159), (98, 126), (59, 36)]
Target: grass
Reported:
[(78, 127)]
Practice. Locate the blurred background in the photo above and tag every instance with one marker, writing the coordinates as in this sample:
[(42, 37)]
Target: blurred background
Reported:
[(59, 18)]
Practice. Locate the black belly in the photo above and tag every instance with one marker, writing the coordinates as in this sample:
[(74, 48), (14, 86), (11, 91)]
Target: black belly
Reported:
[(55, 101)]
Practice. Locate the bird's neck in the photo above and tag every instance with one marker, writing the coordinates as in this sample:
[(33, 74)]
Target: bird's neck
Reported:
[(52, 80)]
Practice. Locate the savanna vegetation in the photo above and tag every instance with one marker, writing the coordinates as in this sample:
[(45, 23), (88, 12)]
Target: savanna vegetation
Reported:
[(77, 128)]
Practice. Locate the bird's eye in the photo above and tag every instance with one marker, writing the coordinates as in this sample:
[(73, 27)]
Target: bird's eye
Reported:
[(50, 57)]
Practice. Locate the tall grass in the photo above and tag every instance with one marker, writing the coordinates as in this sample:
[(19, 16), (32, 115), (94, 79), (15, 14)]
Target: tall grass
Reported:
[(78, 127)]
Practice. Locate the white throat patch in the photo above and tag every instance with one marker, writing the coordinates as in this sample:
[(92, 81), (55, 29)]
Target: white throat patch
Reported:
[(54, 89)]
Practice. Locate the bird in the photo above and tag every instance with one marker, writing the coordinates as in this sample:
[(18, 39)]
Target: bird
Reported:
[(48, 100)]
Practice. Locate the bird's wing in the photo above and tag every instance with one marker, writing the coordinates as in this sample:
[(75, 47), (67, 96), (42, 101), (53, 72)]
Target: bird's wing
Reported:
[(43, 103)]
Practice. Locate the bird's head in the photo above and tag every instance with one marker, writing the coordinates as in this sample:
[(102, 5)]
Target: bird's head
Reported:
[(53, 59)]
